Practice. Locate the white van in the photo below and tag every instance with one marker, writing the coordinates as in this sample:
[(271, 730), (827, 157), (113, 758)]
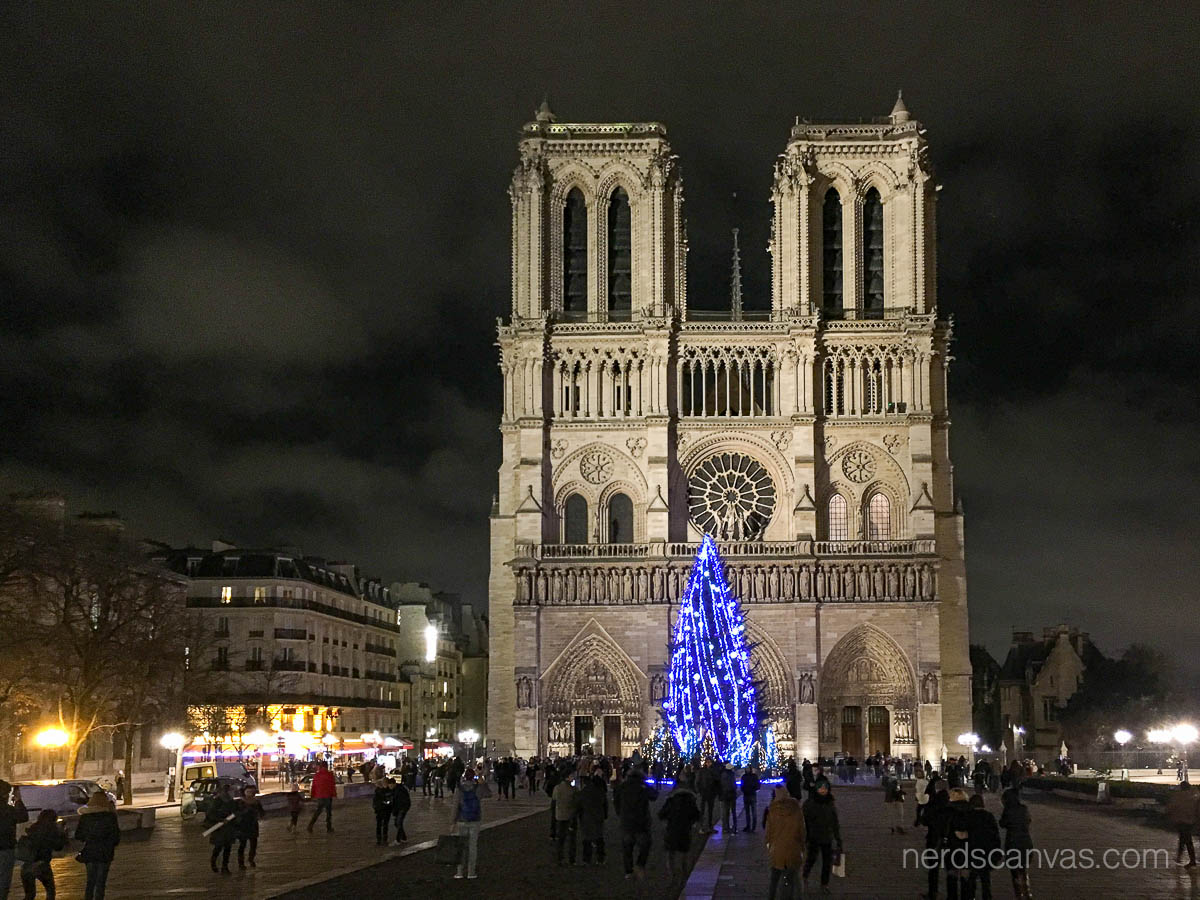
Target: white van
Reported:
[(64, 797), (218, 769)]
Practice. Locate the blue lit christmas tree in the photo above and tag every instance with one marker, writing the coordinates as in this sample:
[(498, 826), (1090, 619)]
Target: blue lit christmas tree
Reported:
[(712, 692)]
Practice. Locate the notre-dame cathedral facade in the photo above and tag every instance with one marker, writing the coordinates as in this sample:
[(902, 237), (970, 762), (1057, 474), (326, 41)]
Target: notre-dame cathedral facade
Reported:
[(811, 441)]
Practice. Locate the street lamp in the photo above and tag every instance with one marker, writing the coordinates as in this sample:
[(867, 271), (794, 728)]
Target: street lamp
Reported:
[(970, 739), (1123, 737), (469, 736), (52, 739), (259, 738), (174, 742), (1185, 734)]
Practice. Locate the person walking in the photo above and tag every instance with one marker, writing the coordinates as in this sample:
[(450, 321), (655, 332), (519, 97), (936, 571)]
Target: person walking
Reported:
[(893, 799), (709, 787), (1182, 813), (220, 817), (565, 811), (553, 777), (786, 840), (10, 818), (956, 843), (381, 804), (401, 804), (983, 838), (323, 790), (822, 832), (935, 827), (42, 839), (922, 798), (468, 816), (728, 799), (245, 826), (750, 786), (632, 800), (1014, 819), (680, 812), (295, 803), (100, 833), (593, 811)]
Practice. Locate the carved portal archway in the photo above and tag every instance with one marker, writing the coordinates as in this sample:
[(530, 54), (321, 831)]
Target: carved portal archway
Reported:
[(593, 679), (775, 692), (865, 673)]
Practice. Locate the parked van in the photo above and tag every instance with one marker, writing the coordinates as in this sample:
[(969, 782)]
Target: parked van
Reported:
[(64, 797), (218, 769)]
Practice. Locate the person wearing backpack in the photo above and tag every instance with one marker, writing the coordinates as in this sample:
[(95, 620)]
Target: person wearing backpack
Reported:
[(100, 833), (468, 816), (822, 832), (381, 803), (984, 838), (956, 844), (40, 841)]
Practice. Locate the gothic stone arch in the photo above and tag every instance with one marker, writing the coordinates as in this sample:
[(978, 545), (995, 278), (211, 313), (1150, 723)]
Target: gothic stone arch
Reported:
[(775, 694), (591, 677), (866, 669)]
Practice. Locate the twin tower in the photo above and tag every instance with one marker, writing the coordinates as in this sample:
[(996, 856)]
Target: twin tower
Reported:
[(810, 440)]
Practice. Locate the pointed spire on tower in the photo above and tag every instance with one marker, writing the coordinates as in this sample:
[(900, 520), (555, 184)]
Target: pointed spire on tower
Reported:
[(543, 113), (899, 111), (735, 281)]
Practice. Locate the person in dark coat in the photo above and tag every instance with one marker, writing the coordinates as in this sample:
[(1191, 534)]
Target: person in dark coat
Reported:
[(553, 777), (750, 785), (1014, 819), (592, 806), (680, 812), (10, 817), (983, 835), (632, 800), (220, 812), (709, 788), (44, 837), (245, 825), (728, 797), (822, 831), (401, 804), (955, 839), (935, 818), (381, 803), (100, 833)]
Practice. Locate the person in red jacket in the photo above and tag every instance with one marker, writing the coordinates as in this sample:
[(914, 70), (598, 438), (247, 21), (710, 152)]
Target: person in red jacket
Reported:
[(323, 791)]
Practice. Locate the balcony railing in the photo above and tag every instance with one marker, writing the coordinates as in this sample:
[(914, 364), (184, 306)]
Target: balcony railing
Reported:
[(874, 548), (595, 551), (729, 550), (379, 649), (292, 603), (291, 634), (289, 665)]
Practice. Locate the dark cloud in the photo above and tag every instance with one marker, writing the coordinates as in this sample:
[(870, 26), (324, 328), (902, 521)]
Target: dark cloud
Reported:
[(251, 256)]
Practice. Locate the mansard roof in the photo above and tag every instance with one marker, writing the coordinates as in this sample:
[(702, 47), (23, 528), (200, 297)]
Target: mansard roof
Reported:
[(266, 563)]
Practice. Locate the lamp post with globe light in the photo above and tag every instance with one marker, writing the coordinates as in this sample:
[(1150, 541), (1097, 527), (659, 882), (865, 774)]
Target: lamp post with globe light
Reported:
[(51, 740), (1185, 734), (970, 739), (1123, 737), (259, 738), (469, 736), (174, 741)]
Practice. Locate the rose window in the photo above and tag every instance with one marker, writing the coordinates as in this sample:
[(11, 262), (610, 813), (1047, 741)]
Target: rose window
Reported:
[(858, 465), (731, 497), (596, 467)]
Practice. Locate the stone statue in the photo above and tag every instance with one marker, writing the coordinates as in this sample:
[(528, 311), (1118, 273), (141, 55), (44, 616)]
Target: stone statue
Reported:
[(910, 582), (524, 692), (656, 584), (929, 688), (760, 584), (642, 585), (541, 586), (773, 584), (819, 582), (864, 583), (893, 583), (877, 582), (601, 592), (789, 583), (674, 580), (658, 688), (556, 586), (627, 585), (927, 582), (808, 692), (848, 583), (585, 586), (803, 582)]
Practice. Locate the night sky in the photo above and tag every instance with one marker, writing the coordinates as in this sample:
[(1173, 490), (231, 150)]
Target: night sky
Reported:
[(252, 255)]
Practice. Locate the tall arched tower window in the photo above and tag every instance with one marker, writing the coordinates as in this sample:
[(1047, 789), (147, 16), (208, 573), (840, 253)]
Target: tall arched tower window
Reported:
[(620, 256), (620, 519), (872, 255), (575, 240), (839, 520), (879, 518), (831, 236), (575, 520)]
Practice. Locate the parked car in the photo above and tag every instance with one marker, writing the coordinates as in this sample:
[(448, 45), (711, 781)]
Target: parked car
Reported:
[(218, 769), (199, 794), (64, 797), (306, 782)]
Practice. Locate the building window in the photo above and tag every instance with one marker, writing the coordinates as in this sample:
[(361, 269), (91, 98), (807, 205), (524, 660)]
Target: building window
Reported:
[(620, 256), (839, 524), (227, 594), (256, 654), (620, 519), (260, 595), (575, 520), (873, 255), (873, 389), (879, 518), (1050, 709), (831, 233), (575, 241)]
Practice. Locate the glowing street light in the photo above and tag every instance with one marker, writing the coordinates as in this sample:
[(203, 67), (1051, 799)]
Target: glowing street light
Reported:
[(1122, 737), (469, 736), (260, 739), (52, 739), (1159, 735), (970, 739), (174, 741)]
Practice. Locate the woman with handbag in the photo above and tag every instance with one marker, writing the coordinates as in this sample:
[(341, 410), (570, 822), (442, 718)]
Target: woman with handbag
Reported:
[(36, 849), (221, 832), (100, 832)]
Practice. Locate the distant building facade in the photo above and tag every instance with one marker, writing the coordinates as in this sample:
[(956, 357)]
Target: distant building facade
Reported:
[(1035, 682)]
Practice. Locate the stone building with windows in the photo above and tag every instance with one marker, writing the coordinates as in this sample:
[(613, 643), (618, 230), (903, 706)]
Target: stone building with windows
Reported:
[(810, 439)]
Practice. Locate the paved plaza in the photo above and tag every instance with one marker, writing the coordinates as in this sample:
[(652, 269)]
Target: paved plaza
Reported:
[(516, 858)]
